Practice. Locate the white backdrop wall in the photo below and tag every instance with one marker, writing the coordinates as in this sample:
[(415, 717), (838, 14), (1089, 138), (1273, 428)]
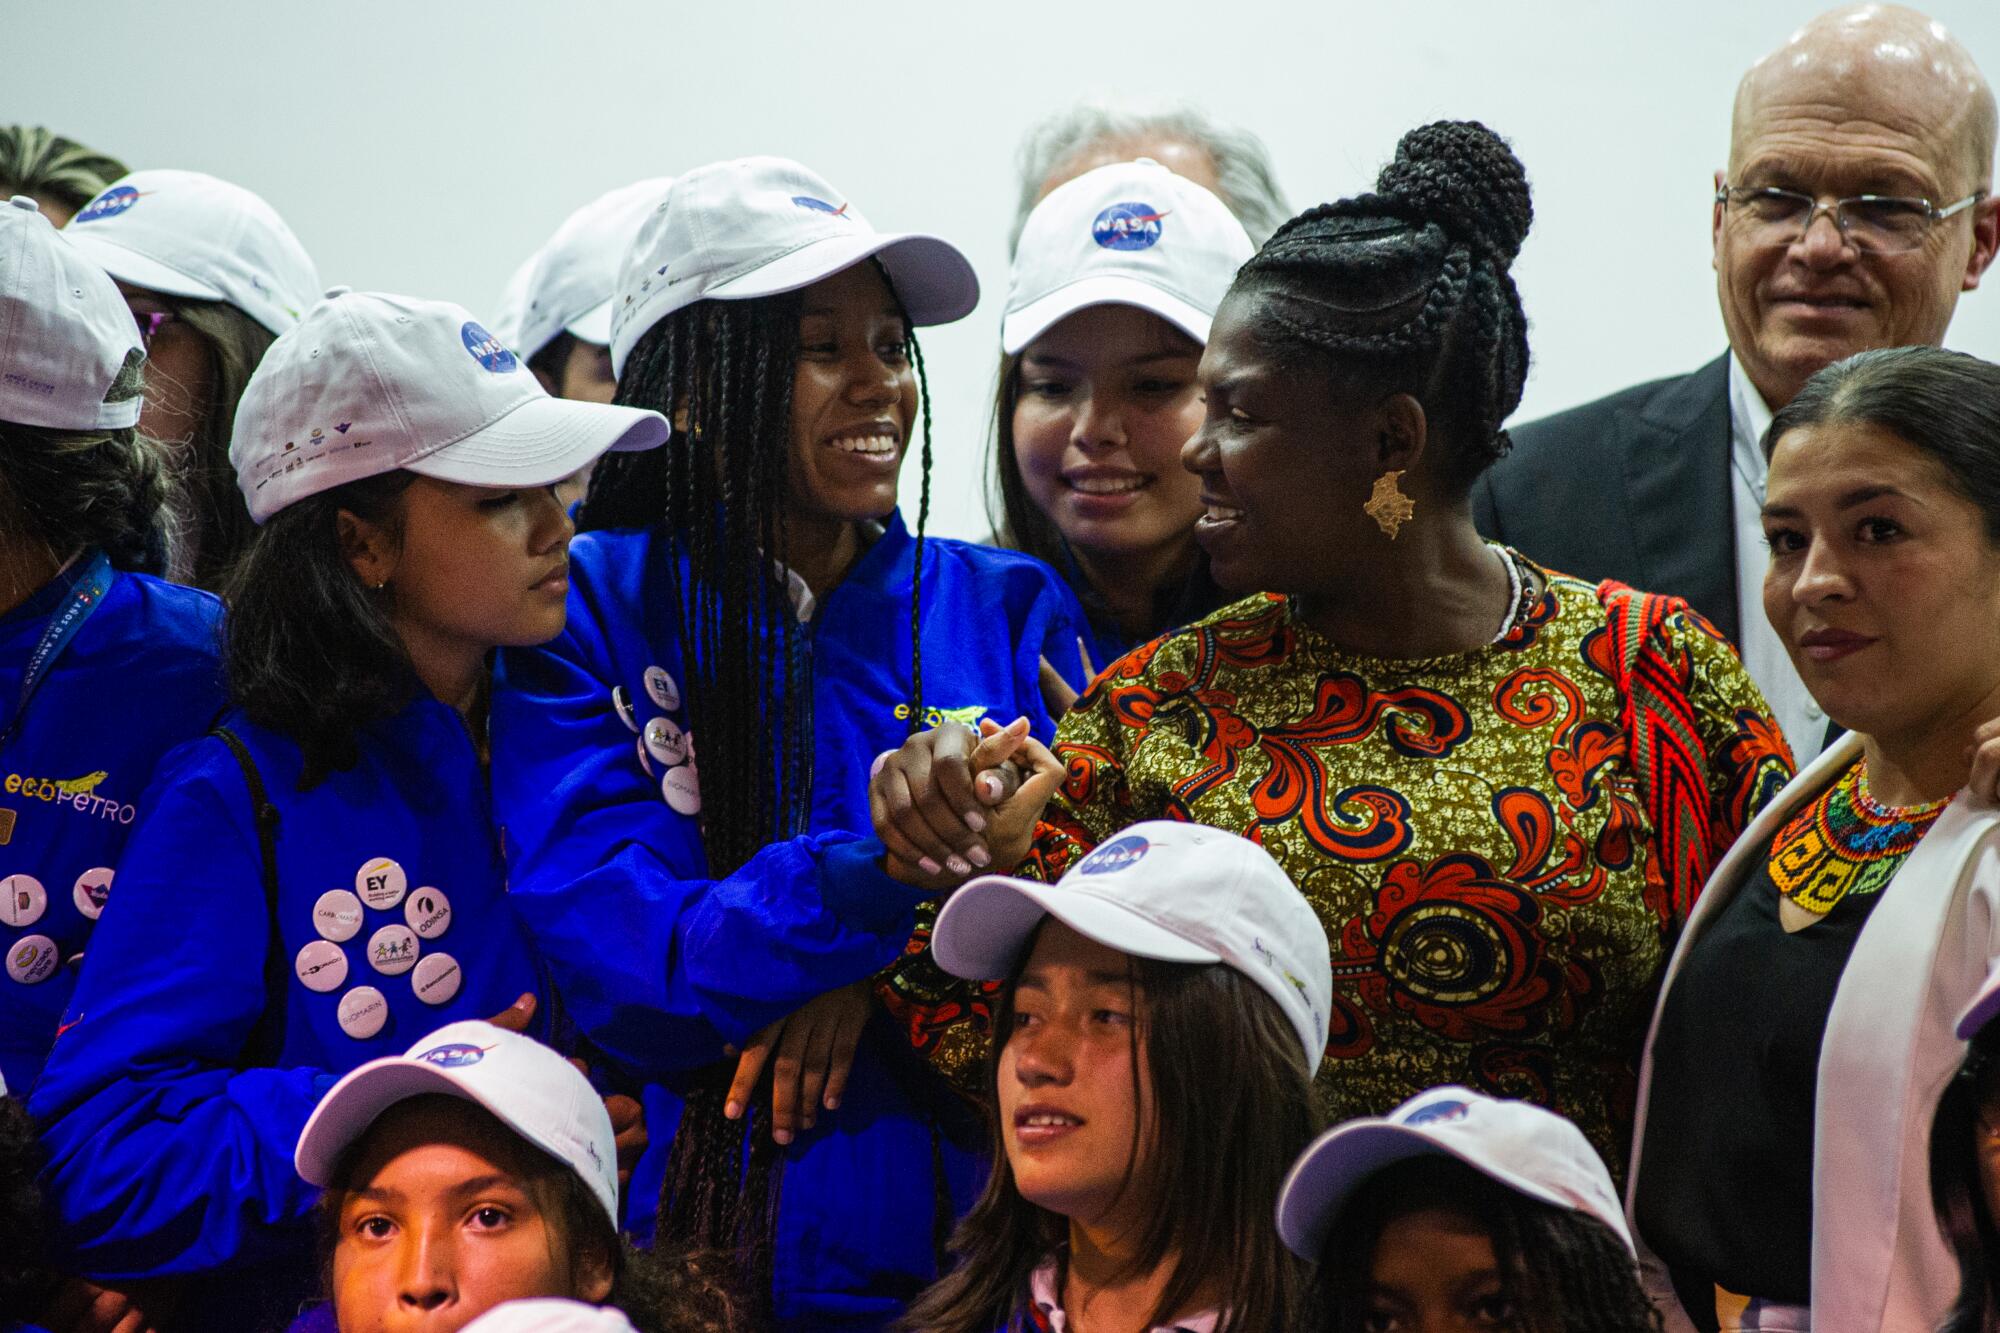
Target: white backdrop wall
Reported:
[(426, 146)]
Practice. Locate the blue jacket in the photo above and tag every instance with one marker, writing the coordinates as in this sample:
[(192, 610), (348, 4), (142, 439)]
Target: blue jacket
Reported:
[(167, 1156), (661, 965), (140, 676)]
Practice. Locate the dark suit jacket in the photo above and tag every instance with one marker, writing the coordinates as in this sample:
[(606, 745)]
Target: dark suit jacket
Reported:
[(1633, 487)]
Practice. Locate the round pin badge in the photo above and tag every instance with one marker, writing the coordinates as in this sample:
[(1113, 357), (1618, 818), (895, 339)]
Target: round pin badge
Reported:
[(22, 900), (337, 915), (321, 966), (91, 890), (621, 703), (645, 760), (664, 741), (32, 958), (362, 1012), (662, 688), (437, 978), (381, 882), (429, 913), (682, 790), (392, 950)]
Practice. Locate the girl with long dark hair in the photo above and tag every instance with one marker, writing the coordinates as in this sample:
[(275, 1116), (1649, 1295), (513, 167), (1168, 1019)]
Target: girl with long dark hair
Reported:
[(684, 772), (321, 879)]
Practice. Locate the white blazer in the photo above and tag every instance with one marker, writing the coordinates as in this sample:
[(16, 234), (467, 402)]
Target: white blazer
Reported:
[(1879, 1262)]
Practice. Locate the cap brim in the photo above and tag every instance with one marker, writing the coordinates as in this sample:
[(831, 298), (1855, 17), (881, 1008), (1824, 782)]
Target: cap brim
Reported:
[(359, 1099), (137, 270), (983, 927), (593, 325), (541, 442), (1031, 321), (934, 281)]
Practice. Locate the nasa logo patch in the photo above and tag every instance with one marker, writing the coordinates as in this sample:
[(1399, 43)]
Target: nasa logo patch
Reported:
[(1116, 855), (108, 205), (1436, 1113), (1128, 227), (488, 350), (455, 1056)]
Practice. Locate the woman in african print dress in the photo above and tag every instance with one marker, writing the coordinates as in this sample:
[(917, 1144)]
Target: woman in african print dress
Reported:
[(1500, 787)]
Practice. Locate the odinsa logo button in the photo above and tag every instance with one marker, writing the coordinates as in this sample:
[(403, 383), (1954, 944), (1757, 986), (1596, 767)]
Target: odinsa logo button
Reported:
[(1129, 226), (487, 350), (109, 204), (1115, 855)]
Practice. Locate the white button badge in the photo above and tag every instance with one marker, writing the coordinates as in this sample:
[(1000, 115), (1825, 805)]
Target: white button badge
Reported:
[(392, 950), (362, 1012), (337, 915), (622, 704), (429, 913), (91, 890), (664, 741), (437, 978), (32, 958), (321, 966), (22, 901), (682, 790), (662, 688), (381, 883)]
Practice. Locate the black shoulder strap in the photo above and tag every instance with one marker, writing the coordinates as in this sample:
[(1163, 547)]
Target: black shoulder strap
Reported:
[(267, 1039)]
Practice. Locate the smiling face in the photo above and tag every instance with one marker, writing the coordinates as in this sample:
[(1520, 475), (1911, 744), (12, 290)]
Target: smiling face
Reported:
[(1833, 119), (1284, 466), (1434, 1271), (1104, 402), (445, 1215), (1883, 582), (853, 400), (1075, 1090)]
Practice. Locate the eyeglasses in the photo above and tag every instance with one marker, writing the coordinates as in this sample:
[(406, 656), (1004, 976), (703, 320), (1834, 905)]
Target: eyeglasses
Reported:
[(151, 322), (1877, 224)]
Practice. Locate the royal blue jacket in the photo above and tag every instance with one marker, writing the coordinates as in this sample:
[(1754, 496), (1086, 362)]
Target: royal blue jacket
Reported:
[(661, 965), (167, 1154), (139, 677)]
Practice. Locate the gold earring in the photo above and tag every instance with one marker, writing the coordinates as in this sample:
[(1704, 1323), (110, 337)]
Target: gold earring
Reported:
[(1388, 506)]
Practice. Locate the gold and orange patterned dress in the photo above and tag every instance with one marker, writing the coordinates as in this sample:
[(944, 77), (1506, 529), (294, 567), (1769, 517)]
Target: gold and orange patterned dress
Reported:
[(1471, 829)]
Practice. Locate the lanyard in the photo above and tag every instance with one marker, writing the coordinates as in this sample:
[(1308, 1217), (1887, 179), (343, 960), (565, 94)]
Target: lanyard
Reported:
[(85, 595)]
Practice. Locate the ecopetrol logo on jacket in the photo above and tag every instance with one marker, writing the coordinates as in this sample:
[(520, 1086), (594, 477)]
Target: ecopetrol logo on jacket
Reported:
[(78, 793), (1129, 226)]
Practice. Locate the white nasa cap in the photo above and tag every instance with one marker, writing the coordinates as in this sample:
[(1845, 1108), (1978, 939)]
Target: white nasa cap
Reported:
[(525, 1085), (545, 1314), (1529, 1150), (1181, 893), (184, 233), (566, 286), (368, 383), (759, 226), (1131, 233), (65, 332)]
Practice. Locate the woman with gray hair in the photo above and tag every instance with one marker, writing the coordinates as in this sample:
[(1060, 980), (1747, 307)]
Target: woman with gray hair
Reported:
[(1226, 159)]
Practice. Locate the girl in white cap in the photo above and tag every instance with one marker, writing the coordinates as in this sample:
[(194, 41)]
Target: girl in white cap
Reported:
[(1461, 1213), (322, 877), (472, 1181), (679, 770), (212, 275), (1116, 279), (1164, 1006)]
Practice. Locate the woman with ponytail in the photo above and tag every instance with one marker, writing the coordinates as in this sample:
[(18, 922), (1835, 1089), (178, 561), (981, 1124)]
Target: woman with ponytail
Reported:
[(1500, 787), (684, 772)]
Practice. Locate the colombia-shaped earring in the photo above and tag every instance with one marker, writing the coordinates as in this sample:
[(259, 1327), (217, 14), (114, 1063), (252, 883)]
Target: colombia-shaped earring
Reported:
[(1388, 506)]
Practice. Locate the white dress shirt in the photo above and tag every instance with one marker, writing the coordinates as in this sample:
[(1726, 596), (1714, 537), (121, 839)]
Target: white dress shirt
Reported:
[(1764, 657)]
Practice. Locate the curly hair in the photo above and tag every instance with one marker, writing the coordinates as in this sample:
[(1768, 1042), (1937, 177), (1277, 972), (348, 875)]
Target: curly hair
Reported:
[(1410, 287), (67, 489)]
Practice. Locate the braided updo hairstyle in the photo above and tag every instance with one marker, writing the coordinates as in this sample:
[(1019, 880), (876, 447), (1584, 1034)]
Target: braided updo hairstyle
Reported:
[(1408, 289)]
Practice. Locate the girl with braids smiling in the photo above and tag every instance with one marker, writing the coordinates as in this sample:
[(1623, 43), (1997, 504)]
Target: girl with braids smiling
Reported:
[(1500, 787), (684, 772)]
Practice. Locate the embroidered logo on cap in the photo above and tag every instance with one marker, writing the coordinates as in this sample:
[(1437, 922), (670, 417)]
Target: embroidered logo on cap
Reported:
[(1437, 1113), (819, 205), (1128, 227), (487, 350), (1114, 856), (455, 1056), (109, 204)]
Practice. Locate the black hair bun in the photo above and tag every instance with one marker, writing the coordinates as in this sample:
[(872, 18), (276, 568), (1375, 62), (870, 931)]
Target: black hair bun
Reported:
[(1463, 177)]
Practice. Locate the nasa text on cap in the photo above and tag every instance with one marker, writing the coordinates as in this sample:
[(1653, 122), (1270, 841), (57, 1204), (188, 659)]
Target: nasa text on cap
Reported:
[(759, 226), (527, 1087), (1182, 893), (66, 335), (566, 286), (1131, 233), (186, 233), (368, 383)]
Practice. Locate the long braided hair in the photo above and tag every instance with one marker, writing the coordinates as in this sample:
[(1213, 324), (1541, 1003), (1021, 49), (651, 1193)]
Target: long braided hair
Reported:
[(723, 371), (1409, 288)]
